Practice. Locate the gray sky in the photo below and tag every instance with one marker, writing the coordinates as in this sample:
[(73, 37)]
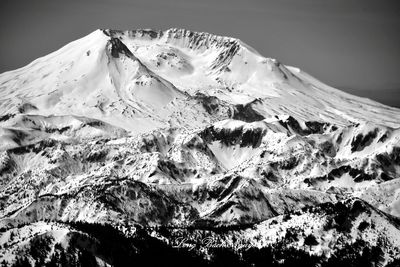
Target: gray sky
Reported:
[(353, 45)]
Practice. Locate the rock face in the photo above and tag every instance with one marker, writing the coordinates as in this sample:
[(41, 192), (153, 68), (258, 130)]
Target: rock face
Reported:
[(124, 144)]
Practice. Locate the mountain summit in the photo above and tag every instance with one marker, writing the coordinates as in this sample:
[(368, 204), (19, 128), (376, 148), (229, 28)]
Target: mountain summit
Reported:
[(126, 142)]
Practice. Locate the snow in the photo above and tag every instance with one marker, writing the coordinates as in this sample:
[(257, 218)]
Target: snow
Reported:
[(115, 125), (231, 156), (96, 85)]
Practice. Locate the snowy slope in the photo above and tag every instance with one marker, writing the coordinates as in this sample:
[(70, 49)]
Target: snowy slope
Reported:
[(190, 131), (129, 77)]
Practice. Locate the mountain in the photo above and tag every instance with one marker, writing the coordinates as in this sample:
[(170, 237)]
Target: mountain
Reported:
[(126, 143)]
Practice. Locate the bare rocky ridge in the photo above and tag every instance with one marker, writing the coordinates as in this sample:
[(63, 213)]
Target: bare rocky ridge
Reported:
[(191, 144)]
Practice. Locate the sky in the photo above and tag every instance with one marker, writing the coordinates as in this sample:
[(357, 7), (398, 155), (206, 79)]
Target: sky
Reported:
[(353, 45)]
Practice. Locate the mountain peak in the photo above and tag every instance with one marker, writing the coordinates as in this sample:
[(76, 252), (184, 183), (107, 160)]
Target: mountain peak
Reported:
[(191, 39), (189, 61)]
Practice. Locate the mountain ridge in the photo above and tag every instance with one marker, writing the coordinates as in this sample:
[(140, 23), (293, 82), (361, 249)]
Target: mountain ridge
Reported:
[(161, 135)]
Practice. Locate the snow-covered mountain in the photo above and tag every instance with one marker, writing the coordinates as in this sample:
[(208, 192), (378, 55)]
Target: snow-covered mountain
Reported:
[(188, 143)]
